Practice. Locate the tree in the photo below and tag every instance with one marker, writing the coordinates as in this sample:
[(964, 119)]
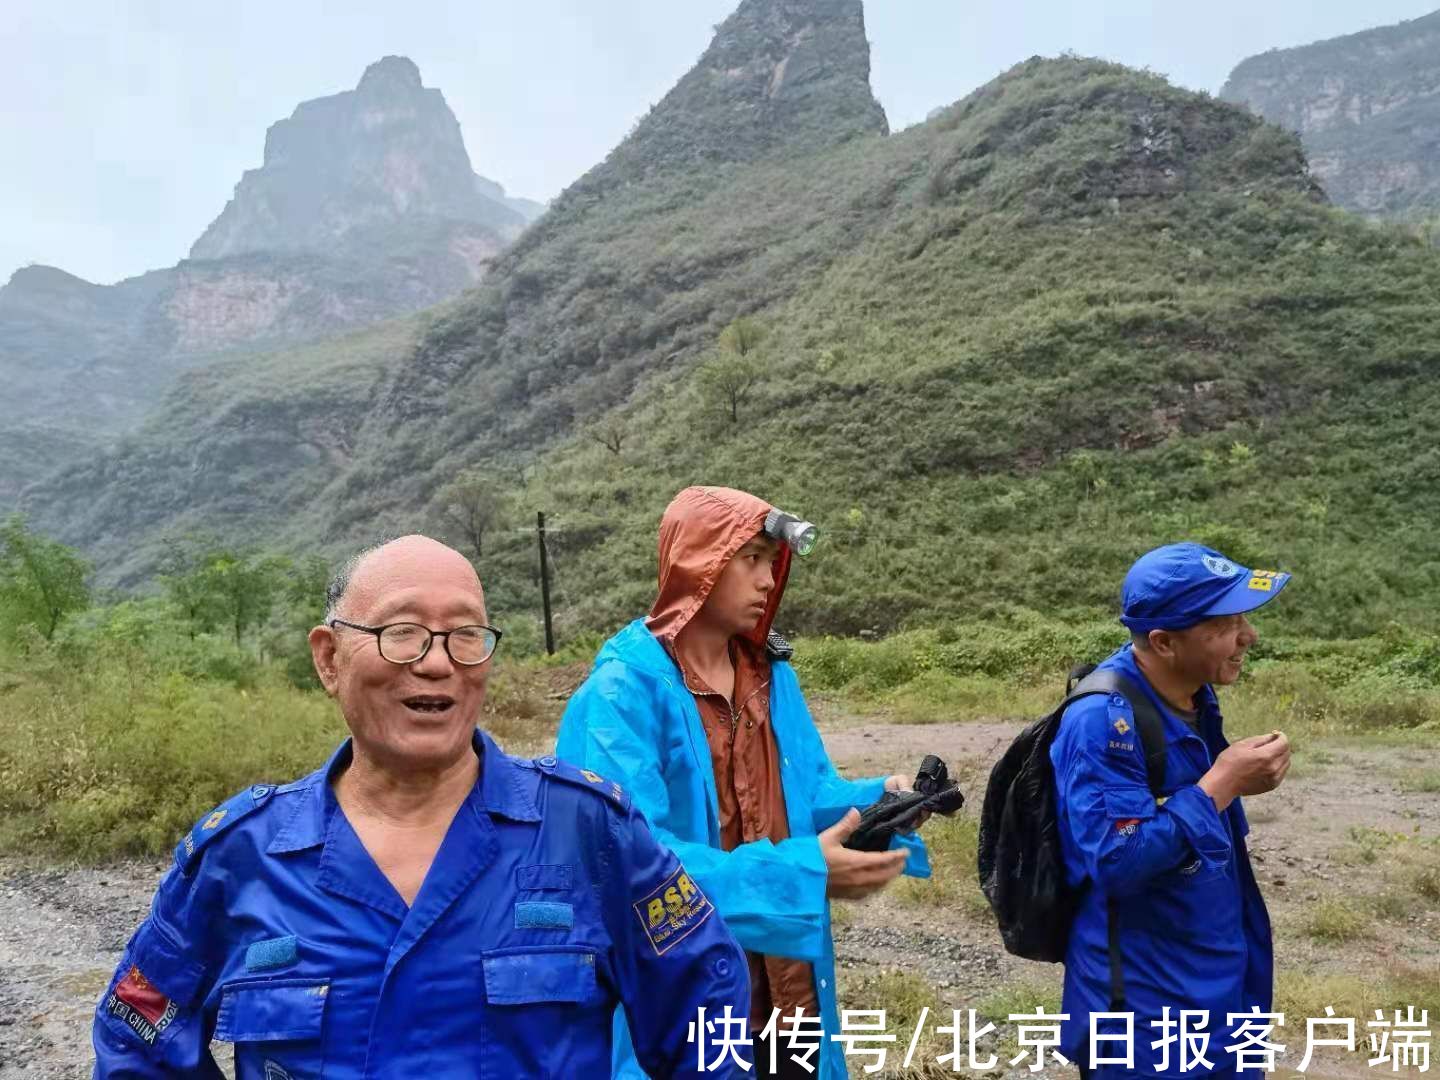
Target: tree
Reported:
[(727, 379), (188, 586), (305, 589), (610, 433), (1085, 467), (742, 337), (225, 586), (472, 505), (246, 585), (41, 580)]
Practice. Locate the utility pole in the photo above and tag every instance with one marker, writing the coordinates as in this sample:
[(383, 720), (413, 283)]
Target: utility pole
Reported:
[(545, 583)]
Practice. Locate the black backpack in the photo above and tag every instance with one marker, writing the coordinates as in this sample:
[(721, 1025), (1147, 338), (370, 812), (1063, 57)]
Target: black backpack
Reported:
[(1022, 868)]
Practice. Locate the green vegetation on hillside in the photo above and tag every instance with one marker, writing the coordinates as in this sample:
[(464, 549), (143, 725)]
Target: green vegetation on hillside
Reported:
[(1004, 350)]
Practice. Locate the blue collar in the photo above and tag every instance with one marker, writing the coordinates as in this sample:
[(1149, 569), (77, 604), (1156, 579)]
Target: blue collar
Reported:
[(1205, 701), (506, 787)]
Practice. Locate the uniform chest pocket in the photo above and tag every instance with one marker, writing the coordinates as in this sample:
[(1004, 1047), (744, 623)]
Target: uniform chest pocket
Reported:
[(547, 1013), (276, 1025), (534, 976)]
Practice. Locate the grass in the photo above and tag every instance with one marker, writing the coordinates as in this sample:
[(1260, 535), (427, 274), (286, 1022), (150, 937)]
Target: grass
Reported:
[(903, 996), (1378, 689), (1333, 921), (1398, 879), (111, 750), (1420, 781), (1020, 998), (1305, 994), (119, 756), (953, 884), (1425, 883)]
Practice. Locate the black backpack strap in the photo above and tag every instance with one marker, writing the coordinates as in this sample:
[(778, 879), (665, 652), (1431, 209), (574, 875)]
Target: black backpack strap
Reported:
[(1112, 935), (1151, 726), (1077, 673)]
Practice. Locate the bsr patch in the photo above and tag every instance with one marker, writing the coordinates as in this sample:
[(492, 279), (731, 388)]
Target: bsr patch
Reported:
[(673, 911)]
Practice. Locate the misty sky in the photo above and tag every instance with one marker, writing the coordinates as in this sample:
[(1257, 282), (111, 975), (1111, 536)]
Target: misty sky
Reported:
[(125, 126)]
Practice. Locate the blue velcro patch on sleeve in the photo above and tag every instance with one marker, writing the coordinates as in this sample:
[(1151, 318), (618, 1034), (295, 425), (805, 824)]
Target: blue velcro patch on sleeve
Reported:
[(543, 915), (276, 952), (672, 911)]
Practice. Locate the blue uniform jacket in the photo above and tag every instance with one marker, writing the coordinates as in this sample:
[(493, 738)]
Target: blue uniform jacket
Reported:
[(1194, 933), (635, 720), (549, 903)]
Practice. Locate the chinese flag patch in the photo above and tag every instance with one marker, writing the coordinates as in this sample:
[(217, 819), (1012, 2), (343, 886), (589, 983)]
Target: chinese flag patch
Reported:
[(141, 1005), (142, 995)]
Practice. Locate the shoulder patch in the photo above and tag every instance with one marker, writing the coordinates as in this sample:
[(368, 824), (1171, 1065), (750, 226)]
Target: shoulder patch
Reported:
[(778, 647), (1104, 722), (1120, 725), (592, 781), (218, 821), (671, 911)]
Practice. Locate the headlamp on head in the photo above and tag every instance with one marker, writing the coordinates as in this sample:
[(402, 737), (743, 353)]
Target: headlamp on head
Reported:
[(799, 536)]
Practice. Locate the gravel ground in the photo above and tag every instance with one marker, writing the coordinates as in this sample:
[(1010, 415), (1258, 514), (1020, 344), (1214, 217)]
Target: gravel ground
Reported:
[(60, 938)]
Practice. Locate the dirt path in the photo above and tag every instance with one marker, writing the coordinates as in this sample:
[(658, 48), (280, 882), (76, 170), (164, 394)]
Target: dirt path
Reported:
[(60, 937), (1343, 829)]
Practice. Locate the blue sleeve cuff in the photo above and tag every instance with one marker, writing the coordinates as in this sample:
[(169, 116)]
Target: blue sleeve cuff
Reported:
[(1195, 814), (836, 798)]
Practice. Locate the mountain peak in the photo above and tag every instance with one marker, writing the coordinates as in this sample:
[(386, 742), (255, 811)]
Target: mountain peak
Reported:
[(387, 154), (789, 75), (390, 74), (37, 277)]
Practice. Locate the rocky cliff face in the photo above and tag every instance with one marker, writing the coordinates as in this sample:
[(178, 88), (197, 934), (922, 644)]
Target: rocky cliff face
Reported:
[(1367, 106), (366, 208), (388, 151)]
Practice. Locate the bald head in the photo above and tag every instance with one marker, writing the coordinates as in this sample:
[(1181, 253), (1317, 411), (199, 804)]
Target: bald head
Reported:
[(417, 712), (385, 576)]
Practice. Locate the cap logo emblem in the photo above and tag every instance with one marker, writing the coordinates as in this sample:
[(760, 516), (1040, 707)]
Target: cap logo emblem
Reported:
[(1220, 567)]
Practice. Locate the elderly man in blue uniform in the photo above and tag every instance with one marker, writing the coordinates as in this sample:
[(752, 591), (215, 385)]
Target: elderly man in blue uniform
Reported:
[(423, 905), (1191, 928), (697, 709)]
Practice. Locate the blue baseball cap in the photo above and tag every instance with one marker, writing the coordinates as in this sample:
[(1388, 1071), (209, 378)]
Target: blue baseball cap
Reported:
[(1178, 585)]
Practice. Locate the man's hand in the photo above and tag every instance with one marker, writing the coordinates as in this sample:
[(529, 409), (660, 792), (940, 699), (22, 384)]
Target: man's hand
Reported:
[(899, 784), (856, 874), (1251, 766)]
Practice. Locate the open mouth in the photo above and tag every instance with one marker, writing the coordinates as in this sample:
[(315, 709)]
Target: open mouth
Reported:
[(429, 704)]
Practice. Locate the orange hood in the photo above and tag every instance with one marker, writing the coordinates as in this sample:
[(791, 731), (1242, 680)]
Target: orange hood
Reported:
[(701, 531)]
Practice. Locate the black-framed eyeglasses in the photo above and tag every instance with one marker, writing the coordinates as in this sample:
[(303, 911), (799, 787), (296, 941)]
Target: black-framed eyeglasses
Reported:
[(409, 643)]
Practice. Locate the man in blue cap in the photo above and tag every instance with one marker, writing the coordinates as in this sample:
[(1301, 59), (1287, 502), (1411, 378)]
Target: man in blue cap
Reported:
[(1172, 918)]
